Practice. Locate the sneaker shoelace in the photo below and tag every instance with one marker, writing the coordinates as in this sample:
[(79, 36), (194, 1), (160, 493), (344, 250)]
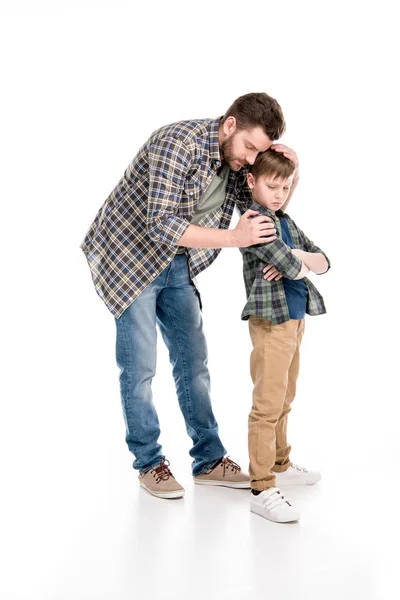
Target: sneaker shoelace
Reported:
[(162, 472), (302, 469), (227, 464)]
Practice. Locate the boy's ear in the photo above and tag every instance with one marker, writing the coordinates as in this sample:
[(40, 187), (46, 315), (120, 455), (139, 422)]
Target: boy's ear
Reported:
[(250, 180)]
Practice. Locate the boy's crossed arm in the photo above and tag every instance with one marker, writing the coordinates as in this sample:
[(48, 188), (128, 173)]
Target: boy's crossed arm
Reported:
[(312, 257), (279, 254), (315, 261)]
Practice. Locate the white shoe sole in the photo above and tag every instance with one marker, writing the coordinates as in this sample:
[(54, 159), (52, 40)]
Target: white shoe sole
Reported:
[(262, 513), (233, 484), (166, 495)]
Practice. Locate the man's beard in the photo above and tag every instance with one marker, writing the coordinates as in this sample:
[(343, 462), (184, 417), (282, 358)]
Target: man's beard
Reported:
[(228, 156)]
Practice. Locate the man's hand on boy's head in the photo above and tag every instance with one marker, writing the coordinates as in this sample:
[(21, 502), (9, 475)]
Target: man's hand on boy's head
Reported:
[(291, 155), (286, 151)]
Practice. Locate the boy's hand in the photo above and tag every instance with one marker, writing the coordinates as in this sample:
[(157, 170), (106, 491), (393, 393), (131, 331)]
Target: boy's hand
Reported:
[(252, 229), (297, 252), (271, 273)]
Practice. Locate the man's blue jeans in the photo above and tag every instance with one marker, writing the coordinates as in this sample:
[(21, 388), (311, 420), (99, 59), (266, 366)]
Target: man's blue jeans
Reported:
[(172, 301)]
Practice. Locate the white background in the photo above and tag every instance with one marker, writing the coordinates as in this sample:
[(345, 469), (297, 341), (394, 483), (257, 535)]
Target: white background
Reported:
[(83, 85)]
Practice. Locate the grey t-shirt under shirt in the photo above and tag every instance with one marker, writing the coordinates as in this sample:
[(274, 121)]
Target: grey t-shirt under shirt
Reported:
[(212, 198)]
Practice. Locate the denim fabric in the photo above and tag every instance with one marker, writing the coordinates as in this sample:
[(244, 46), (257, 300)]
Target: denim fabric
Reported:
[(172, 302)]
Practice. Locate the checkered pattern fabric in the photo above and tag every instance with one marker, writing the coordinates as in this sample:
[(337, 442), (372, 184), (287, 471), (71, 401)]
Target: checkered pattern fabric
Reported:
[(135, 234), (267, 299)]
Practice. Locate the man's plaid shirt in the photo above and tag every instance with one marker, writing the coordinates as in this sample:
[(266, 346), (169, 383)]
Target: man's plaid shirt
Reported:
[(267, 299), (135, 233)]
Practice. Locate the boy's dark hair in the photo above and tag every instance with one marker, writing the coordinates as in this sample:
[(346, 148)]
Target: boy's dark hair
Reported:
[(272, 163), (258, 110)]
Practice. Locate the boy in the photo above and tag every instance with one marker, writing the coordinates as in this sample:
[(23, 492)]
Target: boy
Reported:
[(276, 307)]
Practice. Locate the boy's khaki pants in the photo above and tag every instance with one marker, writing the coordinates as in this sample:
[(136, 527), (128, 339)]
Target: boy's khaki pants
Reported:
[(274, 366)]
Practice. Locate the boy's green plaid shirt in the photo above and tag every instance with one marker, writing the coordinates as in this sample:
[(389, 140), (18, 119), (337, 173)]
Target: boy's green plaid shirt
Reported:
[(267, 299)]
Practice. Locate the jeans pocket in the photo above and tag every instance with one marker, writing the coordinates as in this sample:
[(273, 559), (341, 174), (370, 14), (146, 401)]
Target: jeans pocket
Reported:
[(199, 297), (197, 293)]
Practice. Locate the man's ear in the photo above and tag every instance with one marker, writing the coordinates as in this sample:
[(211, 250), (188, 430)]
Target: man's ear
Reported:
[(229, 126), (250, 180)]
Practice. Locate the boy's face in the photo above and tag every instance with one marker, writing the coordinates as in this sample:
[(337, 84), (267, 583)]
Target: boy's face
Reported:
[(270, 191)]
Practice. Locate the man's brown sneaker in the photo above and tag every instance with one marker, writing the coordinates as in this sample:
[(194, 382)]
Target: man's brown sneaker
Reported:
[(226, 473), (160, 482)]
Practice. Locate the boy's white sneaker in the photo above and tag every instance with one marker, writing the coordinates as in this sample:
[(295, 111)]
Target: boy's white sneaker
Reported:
[(272, 505), (296, 475)]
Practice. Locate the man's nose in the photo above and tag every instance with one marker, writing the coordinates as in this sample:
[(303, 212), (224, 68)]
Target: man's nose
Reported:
[(251, 158)]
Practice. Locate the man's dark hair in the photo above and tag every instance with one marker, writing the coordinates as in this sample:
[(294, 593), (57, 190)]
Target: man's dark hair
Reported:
[(258, 110)]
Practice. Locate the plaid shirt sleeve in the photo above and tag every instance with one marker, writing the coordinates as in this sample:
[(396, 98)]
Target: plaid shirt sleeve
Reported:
[(169, 163), (243, 197), (278, 254), (309, 246)]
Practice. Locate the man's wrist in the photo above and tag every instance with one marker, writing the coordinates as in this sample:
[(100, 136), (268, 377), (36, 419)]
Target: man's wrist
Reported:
[(232, 239), (207, 237)]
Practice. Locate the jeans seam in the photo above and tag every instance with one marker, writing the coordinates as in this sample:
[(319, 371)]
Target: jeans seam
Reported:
[(184, 372), (208, 466), (129, 382), (152, 466)]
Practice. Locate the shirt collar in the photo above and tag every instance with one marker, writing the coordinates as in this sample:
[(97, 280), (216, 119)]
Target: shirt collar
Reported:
[(214, 142), (263, 210)]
